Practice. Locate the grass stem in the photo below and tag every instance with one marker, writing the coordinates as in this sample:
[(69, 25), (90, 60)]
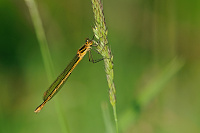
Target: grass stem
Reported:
[(100, 32), (45, 54)]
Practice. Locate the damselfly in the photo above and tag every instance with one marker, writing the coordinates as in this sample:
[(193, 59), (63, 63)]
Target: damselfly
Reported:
[(57, 84)]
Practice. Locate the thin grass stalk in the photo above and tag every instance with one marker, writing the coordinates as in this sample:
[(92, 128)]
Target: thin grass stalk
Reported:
[(45, 53), (106, 116), (160, 81), (100, 32), (41, 39)]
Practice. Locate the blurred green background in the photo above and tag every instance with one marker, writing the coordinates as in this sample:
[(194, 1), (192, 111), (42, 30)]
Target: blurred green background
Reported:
[(156, 65)]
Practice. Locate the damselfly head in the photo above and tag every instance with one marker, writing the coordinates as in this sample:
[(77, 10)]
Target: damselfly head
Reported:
[(87, 40)]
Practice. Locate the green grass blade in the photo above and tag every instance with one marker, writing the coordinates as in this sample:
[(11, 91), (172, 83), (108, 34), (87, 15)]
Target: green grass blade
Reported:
[(106, 117), (41, 38), (45, 51), (158, 83)]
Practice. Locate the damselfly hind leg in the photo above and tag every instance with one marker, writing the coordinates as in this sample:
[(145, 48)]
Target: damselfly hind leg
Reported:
[(92, 60)]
